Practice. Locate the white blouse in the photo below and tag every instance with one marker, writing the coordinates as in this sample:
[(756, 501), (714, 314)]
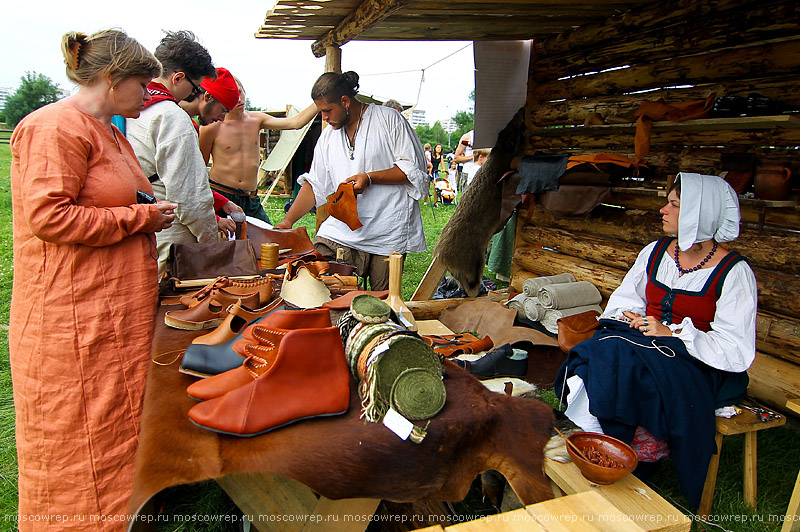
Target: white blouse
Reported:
[(730, 345)]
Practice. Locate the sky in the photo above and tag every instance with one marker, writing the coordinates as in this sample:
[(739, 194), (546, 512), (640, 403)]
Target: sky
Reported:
[(275, 72)]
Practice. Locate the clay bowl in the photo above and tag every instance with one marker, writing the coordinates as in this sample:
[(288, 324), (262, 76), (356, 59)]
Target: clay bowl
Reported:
[(607, 447)]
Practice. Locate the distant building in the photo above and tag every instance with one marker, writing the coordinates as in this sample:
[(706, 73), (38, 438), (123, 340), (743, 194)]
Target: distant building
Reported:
[(448, 125), (417, 118), (5, 92)]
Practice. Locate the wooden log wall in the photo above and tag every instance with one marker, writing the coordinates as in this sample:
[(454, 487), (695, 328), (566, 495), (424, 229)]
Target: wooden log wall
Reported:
[(682, 52)]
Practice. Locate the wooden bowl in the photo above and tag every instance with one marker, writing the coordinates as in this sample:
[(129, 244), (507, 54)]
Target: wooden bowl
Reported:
[(595, 445)]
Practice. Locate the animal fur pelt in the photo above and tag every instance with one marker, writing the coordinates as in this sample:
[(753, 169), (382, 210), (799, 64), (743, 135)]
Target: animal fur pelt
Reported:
[(464, 240)]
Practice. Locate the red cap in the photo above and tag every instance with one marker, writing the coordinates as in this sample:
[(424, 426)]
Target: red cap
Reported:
[(223, 89)]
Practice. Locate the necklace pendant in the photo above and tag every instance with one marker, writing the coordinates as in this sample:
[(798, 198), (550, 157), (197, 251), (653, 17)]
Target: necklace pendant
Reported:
[(352, 157)]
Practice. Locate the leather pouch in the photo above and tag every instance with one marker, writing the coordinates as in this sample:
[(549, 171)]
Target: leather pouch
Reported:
[(209, 260), (343, 205), (296, 240), (574, 329)]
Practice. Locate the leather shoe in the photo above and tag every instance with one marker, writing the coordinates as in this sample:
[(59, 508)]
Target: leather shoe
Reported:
[(238, 317), (496, 363), (308, 378), (203, 360), (209, 312), (234, 288)]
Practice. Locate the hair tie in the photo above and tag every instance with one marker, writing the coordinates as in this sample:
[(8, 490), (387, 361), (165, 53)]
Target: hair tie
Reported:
[(74, 46)]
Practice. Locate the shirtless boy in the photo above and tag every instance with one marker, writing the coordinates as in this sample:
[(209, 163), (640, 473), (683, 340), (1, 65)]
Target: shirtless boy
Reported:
[(233, 146)]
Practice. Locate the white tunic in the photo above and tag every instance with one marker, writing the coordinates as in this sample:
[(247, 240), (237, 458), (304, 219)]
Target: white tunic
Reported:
[(390, 213), (730, 345), (165, 143)]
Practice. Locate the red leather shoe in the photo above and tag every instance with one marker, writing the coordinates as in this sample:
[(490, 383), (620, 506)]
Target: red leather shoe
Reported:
[(308, 378), (258, 348)]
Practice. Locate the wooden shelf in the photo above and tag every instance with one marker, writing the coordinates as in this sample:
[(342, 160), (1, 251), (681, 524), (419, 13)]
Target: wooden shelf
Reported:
[(662, 193), (703, 124)]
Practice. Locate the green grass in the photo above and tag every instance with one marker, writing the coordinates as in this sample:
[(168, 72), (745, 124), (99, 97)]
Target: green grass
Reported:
[(777, 465)]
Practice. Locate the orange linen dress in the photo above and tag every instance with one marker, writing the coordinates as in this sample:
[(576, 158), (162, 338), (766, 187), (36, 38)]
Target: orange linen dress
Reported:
[(82, 309)]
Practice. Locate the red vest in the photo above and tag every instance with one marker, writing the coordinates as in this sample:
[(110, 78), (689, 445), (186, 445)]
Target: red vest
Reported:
[(672, 304)]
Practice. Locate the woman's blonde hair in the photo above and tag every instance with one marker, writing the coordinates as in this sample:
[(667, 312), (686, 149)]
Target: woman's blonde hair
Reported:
[(106, 53)]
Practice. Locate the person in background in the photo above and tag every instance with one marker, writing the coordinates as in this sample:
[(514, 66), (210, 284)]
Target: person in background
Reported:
[(676, 340), (85, 294), (478, 158), (394, 104), (165, 141), (437, 166), (233, 146), (375, 148), (463, 157)]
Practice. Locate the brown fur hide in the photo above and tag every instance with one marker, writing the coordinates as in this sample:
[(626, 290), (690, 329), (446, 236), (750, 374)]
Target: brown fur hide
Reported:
[(464, 240), (343, 457)]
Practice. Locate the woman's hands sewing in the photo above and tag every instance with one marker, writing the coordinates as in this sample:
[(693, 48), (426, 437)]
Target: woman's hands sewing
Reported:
[(647, 325)]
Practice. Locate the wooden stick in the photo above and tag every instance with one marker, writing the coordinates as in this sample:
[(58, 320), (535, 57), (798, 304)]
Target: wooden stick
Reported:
[(575, 447)]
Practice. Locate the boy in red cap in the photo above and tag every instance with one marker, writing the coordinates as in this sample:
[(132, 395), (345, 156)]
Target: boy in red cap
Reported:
[(214, 99)]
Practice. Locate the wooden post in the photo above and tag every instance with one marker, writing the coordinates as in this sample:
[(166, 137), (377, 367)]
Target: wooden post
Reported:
[(333, 59)]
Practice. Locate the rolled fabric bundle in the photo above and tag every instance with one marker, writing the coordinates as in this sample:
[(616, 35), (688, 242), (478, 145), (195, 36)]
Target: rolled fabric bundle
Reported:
[(534, 310), (552, 316), (568, 295), (532, 286), (516, 303)]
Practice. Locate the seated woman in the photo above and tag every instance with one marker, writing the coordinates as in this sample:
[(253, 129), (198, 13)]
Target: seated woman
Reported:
[(677, 337)]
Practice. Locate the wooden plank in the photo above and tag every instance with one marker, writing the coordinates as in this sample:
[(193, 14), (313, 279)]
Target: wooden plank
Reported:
[(773, 381), (363, 17), (264, 497), (778, 59), (344, 515), (587, 510), (753, 22), (791, 522), (630, 495), (515, 520), (431, 310), (427, 285)]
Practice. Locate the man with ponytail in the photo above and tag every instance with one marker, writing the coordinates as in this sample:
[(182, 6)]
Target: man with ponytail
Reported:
[(375, 148)]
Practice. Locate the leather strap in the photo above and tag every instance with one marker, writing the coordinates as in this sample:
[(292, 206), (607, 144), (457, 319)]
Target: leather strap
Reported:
[(232, 190)]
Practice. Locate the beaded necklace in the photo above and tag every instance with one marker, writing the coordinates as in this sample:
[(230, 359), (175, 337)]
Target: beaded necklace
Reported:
[(351, 146), (702, 262)]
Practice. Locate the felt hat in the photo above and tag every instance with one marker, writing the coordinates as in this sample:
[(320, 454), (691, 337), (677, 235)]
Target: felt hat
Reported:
[(223, 89)]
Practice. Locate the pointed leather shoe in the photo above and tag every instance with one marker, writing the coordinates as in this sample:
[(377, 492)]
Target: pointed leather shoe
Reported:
[(205, 360), (308, 378), (237, 319), (257, 359)]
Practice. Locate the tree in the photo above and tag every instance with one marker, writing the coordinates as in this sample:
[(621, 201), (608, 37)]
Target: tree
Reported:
[(35, 91)]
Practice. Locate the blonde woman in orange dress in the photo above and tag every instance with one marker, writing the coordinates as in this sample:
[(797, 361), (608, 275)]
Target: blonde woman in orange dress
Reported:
[(84, 295)]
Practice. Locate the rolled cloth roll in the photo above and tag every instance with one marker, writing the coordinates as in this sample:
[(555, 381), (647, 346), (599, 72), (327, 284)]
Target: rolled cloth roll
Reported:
[(568, 295), (550, 319), (534, 310), (532, 286), (516, 303)]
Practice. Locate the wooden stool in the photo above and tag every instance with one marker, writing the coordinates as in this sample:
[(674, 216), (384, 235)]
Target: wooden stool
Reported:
[(746, 423), (791, 524)]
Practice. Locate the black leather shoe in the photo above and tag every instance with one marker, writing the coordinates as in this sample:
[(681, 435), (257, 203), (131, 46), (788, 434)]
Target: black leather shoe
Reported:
[(496, 363)]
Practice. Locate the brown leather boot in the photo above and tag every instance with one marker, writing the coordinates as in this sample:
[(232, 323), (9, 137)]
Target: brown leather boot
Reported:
[(257, 348), (308, 378)]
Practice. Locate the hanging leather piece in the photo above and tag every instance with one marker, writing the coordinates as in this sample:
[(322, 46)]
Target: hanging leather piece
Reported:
[(343, 206)]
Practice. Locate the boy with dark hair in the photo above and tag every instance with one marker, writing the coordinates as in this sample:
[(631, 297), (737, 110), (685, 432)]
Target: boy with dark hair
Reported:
[(165, 141)]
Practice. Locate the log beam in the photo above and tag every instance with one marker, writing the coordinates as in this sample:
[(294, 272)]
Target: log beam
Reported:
[(359, 20)]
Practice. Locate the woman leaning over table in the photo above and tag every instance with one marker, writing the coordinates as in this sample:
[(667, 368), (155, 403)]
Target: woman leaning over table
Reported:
[(84, 295), (677, 338)]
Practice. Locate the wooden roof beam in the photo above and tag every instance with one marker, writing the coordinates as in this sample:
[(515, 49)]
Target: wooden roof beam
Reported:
[(361, 19)]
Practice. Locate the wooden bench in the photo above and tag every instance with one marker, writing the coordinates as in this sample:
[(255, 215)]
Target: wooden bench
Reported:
[(633, 497), (746, 423), (791, 524), (581, 512)]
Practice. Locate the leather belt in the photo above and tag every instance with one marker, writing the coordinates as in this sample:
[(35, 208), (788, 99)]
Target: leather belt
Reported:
[(231, 190), (153, 178)]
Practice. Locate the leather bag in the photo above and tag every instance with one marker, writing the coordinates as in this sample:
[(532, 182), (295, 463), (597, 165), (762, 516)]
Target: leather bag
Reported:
[(574, 329), (208, 260), (295, 239)]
